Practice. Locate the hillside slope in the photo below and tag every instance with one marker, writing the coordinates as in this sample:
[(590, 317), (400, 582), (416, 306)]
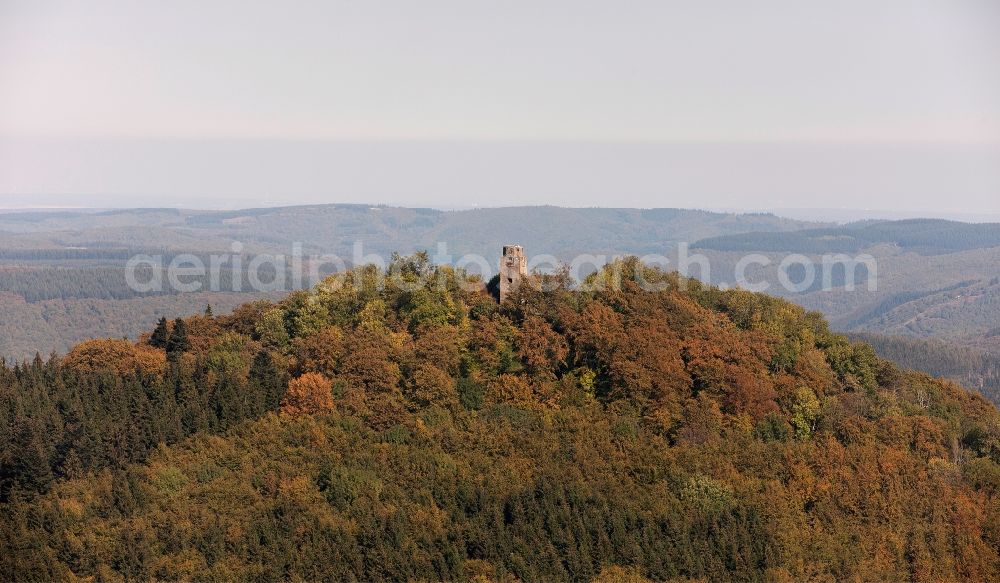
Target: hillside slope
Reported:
[(976, 370), (428, 433), (934, 279)]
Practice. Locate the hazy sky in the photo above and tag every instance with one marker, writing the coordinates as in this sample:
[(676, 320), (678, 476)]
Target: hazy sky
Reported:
[(216, 101)]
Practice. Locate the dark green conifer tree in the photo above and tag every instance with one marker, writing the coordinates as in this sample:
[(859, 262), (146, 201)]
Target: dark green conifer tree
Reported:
[(268, 380), (178, 342), (160, 334)]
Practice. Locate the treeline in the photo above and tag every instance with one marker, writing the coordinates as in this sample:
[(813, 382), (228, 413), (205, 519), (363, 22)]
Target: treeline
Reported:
[(74, 254), (57, 325), (412, 428), (920, 235), (111, 283), (974, 369), (811, 242), (105, 283)]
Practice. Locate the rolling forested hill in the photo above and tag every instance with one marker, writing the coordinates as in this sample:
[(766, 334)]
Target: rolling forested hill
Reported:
[(935, 279), (419, 430), (62, 272), (67, 266)]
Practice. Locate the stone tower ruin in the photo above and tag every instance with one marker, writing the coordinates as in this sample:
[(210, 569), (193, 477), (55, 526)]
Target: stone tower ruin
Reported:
[(513, 268)]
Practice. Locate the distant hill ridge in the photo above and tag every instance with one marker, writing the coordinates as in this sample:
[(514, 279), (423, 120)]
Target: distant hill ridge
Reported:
[(928, 236), (557, 230)]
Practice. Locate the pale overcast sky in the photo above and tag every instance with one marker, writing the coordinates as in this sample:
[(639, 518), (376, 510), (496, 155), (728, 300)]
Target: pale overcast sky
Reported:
[(749, 104)]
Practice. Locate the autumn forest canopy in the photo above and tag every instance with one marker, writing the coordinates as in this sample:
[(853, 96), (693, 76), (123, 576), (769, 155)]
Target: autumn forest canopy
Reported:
[(413, 428)]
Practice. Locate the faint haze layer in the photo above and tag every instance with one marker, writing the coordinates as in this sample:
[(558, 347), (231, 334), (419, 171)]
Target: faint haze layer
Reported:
[(926, 178), (773, 103)]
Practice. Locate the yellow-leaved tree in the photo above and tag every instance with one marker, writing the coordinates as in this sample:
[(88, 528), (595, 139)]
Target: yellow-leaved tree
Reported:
[(116, 355)]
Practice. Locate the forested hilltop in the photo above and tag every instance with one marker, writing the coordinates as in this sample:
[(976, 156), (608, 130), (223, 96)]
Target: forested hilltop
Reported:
[(63, 280), (417, 430), (63, 274)]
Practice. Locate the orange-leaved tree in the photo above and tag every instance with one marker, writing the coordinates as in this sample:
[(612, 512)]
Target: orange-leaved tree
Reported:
[(308, 394)]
